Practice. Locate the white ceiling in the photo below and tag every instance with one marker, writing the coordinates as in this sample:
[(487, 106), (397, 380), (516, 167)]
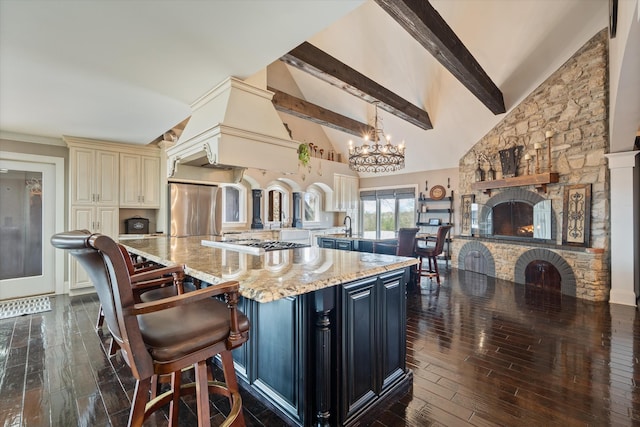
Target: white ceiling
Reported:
[(127, 71)]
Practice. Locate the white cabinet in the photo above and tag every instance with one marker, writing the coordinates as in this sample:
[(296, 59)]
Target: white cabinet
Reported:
[(97, 219), (93, 177), (104, 177), (345, 193), (139, 181)]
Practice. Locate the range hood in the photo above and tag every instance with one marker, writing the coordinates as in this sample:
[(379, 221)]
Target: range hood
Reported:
[(232, 127)]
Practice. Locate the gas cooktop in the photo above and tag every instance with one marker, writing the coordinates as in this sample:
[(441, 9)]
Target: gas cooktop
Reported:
[(273, 245), (254, 246)]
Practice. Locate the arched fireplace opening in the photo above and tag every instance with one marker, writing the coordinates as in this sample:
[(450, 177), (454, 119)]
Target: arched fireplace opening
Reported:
[(514, 219), (543, 274), (536, 268), (516, 214)]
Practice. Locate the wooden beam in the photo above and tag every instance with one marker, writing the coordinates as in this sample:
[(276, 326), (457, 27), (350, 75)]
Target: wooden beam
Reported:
[(318, 63), (306, 110), (425, 24)]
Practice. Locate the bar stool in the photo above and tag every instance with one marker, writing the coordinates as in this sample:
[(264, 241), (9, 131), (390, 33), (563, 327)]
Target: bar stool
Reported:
[(165, 336), (431, 253)]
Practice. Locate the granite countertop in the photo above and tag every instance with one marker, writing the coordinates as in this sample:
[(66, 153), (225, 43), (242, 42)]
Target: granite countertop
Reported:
[(269, 276)]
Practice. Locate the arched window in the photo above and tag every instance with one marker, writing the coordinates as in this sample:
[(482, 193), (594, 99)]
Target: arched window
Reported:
[(234, 202), (277, 206)]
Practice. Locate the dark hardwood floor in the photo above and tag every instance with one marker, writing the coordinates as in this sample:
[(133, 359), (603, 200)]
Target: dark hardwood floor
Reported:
[(484, 352)]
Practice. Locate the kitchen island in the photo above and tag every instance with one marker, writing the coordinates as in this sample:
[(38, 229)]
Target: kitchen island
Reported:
[(328, 328)]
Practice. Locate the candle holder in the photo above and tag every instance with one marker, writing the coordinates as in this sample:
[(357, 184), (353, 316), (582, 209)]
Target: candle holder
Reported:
[(548, 136), (538, 147), (527, 158)]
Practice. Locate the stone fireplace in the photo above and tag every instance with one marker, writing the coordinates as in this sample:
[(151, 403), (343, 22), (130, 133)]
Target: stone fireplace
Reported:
[(516, 228), (517, 214)]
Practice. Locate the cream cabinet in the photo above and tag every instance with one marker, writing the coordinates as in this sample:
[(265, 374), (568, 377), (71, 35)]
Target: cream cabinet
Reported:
[(345, 193), (139, 181), (96, 173), (93, 176), (97, 219)]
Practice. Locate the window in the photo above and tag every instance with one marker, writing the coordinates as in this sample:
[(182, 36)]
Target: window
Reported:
[(277, 205), (385, 211), (311, 210), (234, 204)]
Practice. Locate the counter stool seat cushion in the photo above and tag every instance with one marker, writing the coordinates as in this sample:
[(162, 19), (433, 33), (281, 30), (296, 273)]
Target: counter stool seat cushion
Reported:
[(159, 293), (175, 332)]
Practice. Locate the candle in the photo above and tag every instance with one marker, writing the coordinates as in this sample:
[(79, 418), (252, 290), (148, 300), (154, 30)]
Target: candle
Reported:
[(527, 157), (548, 134), (537, 146)]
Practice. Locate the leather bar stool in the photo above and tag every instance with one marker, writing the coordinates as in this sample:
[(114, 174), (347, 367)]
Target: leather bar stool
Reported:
[(165, 336), (431, 253)]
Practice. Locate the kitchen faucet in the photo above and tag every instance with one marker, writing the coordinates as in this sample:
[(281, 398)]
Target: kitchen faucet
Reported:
[(347, 230)]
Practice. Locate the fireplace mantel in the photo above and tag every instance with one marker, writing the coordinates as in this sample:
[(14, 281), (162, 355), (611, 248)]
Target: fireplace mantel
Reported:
[(539, 180)]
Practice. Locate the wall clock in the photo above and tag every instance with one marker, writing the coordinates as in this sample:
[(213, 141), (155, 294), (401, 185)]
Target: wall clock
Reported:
[(437, 192)]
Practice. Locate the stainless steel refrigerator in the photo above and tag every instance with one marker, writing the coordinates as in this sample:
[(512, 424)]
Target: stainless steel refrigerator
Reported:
[(195, 210)]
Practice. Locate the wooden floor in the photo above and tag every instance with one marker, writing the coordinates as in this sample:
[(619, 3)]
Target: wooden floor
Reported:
[(483, 352)]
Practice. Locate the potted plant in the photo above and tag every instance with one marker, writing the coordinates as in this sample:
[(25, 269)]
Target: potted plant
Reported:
[(303, 154)]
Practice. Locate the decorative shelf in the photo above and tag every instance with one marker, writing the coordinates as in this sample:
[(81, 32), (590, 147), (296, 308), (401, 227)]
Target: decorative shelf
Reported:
[(427, 199), (539, 181), (436, 211)]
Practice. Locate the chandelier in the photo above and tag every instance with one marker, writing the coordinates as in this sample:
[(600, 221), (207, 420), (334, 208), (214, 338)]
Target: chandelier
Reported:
[(379, 155)]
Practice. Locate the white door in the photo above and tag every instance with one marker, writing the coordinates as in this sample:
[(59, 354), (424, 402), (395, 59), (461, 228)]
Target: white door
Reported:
[(27, 221)]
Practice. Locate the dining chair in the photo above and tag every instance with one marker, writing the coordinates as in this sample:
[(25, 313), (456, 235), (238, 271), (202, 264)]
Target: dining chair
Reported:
[(164, 337), (431, 253), (404, 246)]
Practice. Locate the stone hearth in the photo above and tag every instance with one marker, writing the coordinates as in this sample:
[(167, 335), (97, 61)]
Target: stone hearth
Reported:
[(583, 271)]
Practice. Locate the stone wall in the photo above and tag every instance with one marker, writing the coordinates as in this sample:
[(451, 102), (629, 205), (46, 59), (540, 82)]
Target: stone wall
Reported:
[(572, 104), (588, 278)]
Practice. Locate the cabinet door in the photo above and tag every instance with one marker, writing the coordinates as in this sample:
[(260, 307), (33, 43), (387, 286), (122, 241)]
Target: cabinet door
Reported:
[(327, 243), (150, 182), (360, 355), (82, 218), (82, 176), (344, 245), (344, 193), (392, 333), (97, 220), (106, 177), (338, 193), (107, 221), (352, 196), (130, 166)]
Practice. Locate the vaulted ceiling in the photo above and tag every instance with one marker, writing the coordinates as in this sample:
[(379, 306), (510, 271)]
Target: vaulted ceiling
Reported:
[(128, 71)]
